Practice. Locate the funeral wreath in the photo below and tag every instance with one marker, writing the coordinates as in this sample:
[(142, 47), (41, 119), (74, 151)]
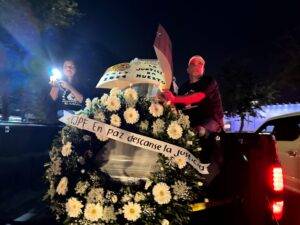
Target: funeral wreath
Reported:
[(80, 192)]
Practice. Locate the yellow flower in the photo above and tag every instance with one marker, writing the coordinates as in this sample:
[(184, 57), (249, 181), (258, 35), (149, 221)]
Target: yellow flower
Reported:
[(131, 115), (161, 193), (62, 186), (113, 103), (73, 207), (109, 214), (103, 99), (132, 211), (115, 120), (66, 149), (156, 109), (130, 96), (93, 212), (174, 130), (180, 161)]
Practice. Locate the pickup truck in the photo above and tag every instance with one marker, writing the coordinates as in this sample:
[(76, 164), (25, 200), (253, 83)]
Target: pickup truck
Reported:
[(286, 129), (247, 189)]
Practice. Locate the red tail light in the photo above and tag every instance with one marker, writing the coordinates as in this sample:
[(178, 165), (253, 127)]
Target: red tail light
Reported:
[(276, 195), (277, 177), (277, 209)]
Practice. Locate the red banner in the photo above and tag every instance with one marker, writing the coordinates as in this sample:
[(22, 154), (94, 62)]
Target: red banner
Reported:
[(163, 49)]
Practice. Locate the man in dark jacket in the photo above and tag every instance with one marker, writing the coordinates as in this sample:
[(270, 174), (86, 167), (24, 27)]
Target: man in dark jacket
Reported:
[(200, 99)]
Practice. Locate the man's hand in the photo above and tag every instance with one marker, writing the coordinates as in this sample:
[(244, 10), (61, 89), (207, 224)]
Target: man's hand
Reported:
[(53, 82), (169, 95), (65, 85)]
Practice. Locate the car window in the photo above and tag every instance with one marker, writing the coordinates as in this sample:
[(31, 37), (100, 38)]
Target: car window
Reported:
[(286, 131), (268, 129)]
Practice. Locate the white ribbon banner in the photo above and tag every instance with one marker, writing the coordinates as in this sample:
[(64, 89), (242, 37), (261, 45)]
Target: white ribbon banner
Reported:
[(134, 139)]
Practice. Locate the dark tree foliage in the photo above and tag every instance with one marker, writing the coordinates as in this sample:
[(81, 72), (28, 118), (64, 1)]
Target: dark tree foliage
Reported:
[(58, 13), (286, 66), (243, 93)]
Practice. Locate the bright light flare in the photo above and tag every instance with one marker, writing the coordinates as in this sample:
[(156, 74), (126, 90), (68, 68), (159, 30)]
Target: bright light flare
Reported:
[(56, 73)]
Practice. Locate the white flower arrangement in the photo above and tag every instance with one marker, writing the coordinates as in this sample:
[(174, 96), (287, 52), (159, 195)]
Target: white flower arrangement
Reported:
[(81, 193)]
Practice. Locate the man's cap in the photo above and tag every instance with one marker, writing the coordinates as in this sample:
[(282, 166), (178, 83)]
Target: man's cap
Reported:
[(196, 58)]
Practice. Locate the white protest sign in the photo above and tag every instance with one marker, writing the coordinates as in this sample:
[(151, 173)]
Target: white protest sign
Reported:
[(138, 71)]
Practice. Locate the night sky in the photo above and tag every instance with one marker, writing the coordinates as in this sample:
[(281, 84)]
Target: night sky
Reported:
[(111, 32)]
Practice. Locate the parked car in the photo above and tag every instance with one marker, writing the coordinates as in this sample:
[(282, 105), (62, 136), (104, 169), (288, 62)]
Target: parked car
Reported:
[(286, 129)]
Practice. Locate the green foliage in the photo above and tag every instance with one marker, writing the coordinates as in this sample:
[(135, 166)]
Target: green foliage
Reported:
[(57, 13)]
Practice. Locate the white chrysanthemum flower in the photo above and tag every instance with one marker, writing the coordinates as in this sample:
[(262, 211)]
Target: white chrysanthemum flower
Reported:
[(73, 207), (131, 96), (184, 121), (115, 91), (181, 190), (174, 130), (95, 103), (131, 115), (62, 186), (93, 212), (81, 187), (99, 115), (132, 211), (109, 214), (139, 196), (88, 104), (115, 120), (158, 126), (113, 104), (161, 193), (156, 109), (103, 99), (101, 137), (148, 184), (66, 149), (144, 125), (95, 195), (180, 161), (114, 199), (127, 198), (165, 222)]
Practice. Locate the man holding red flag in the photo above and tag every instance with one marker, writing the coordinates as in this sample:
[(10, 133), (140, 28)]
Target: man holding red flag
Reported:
[(200, 99)]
